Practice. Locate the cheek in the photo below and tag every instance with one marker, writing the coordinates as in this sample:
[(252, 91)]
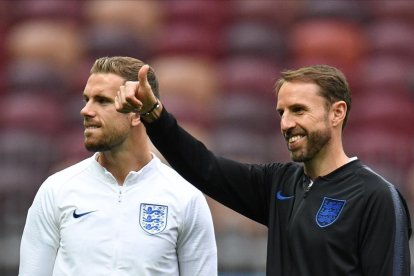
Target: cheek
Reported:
[(321, 118), (122, 125), (118, 123)]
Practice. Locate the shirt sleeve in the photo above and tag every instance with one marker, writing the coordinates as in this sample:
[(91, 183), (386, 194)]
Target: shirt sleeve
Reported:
[(196, 248), (40, 239)]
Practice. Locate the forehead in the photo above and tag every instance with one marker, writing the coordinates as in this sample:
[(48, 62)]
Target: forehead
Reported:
[(103, 83), (299, 92)]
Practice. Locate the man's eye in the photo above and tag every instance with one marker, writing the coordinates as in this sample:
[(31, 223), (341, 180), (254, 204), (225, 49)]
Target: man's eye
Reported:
[(298, 110), (280, 112), (103, 101)]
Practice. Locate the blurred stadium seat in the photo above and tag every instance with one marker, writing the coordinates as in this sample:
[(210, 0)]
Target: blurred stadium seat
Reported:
[(182, 39), (252, 38), (205, 14), (246, 110), (244, 73), (402, 10), (55, 42), (111, 40), (27, 10), (391, 37), (340, 41), (144, 18), (193, 78), (30, 111), (35, 77)]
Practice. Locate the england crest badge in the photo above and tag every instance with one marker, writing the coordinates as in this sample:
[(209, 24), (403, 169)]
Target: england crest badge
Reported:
[(329, 211), (153, 218)]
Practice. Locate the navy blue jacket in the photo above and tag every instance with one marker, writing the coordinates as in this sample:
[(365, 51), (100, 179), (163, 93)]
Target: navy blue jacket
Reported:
[(351, 222)]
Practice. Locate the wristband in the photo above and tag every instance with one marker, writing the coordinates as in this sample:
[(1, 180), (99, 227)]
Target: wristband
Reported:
[(156, 105)]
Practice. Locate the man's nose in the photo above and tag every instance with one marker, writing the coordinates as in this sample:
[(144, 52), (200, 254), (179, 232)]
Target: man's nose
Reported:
[(286, 122), (87, 110)]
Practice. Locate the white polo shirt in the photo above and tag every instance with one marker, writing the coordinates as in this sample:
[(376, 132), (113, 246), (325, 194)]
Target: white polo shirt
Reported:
[(83, 223)]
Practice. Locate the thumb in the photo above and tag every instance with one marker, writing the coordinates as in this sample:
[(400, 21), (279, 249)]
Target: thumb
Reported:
[(144, 91), (142, 77)]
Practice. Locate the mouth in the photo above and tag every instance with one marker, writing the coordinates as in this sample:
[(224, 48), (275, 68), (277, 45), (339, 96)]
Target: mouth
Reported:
[(295, 138), (294, 141), (91, 127)]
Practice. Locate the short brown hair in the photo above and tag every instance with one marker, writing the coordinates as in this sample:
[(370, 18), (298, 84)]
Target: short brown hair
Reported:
[(125, 67), (332, 82)]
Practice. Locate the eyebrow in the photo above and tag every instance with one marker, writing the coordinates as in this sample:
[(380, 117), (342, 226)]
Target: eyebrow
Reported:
[(104, 97)]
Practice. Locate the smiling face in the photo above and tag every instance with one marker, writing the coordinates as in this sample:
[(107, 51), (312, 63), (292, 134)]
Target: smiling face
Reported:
[(105, 128), (304, 120)]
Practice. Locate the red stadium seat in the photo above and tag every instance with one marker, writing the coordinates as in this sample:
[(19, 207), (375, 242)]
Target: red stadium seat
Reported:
[(243, 73), (251, 38), (31, 112)]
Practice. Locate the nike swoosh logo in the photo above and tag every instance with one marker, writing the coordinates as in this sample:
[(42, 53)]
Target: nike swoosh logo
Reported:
[(280, 196), (75, 215)]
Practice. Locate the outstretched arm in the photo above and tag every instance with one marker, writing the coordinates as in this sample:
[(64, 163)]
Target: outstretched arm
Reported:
[(241, 187)]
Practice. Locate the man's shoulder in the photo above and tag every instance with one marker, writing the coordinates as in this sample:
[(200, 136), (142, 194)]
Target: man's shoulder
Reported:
[(290, 170), (171, 179), (68, 173), (371, 181)]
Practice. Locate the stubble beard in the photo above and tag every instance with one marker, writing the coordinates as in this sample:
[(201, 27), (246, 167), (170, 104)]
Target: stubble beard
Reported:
[(316, 141), (97, 147), (103, 144)]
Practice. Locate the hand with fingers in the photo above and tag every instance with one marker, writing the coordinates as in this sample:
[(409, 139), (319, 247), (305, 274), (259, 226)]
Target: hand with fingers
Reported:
[(137, 96)]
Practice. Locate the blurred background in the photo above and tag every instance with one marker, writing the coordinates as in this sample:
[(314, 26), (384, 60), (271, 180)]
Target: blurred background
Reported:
[(217, 62)]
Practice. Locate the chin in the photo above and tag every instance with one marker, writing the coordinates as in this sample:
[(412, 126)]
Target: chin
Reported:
[(300, 157), (95, 147)]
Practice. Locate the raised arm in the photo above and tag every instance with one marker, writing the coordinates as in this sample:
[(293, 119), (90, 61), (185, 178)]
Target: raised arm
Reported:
[(241, 187)]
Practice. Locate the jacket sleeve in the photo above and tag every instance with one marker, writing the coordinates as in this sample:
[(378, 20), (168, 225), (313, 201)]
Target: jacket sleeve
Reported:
[(385, 232), (196, 248), (40, 239), (245, 188)]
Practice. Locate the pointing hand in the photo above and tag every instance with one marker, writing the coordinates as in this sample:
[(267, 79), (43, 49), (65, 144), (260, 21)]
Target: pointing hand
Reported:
[(136, 96)]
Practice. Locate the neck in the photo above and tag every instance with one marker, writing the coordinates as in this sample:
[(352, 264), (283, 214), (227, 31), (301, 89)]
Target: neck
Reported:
[(326, 162), (132, 155), (120, 165)]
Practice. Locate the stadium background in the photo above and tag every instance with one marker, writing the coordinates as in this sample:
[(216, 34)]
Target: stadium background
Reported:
[(217, 62)]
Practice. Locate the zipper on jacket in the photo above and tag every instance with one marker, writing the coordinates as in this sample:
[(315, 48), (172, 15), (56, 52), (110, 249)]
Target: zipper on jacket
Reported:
[(120, 195), (307, 189)]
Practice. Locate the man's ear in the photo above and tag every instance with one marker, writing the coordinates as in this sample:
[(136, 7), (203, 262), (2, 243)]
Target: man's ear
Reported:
[(338, 112), (135, 119)]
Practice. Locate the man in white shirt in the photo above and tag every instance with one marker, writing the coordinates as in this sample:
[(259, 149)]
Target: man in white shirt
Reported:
[(117, 212)]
